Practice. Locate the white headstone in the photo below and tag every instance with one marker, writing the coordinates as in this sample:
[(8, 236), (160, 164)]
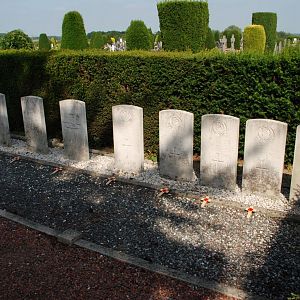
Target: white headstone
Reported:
[(34, 124), (219, 151), (74, 129), (176, 144), (128, 138), (4, 125), (295, 184), (264, 156)]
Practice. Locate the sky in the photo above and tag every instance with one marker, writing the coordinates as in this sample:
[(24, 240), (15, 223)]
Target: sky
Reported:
[(40, 16)]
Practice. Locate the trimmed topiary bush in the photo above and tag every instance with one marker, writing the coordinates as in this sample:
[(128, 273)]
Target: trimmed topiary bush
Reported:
[(73, 32), (269, 21), (44, 43), (98, 40), (210, 40), (254, 39), (138, 36), (183, 24), (229, 31), (16, 39)]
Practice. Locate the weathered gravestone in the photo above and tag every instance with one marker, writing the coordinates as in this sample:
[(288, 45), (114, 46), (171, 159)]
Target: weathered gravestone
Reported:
[(4, 125), (295, 184), (176, 144), (34, 124), (74, 129), (128, 138), (264, 156), (219, 151)]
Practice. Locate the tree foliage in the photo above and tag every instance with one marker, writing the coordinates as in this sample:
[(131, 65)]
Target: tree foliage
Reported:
[(210, 40), (138, 36), (44, 43), (254, 39), (98, 40), (269, 21), (183, 24), (73, 32), (16, 39)]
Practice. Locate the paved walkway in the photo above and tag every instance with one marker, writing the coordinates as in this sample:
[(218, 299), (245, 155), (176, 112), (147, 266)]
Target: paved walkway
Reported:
[(36, 266)]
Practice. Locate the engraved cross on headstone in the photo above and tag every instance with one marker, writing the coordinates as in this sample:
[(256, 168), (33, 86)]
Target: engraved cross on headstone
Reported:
[(261, 169), (217, 162)]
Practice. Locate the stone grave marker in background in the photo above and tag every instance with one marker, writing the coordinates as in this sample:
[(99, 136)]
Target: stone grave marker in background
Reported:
[(264, 156), (295, 184), (219, 151), (74, 129), (4, 125), (232, 40), (128, 138), (34, 124), (176, 144)]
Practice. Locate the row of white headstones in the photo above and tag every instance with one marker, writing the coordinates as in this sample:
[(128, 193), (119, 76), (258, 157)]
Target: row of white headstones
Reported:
[(264, 151)]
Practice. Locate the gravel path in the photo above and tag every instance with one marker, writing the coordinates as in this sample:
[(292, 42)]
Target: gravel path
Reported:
[(260, 255), (34, 266)]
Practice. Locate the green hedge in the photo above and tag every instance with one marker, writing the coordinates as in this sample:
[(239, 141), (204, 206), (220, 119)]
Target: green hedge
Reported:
[(254, 39), (269, 21), (183, 24), (245, 86)]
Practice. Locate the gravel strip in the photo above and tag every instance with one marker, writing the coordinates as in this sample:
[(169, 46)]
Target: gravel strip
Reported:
[(259, 255), (104, 165), (34, 266)]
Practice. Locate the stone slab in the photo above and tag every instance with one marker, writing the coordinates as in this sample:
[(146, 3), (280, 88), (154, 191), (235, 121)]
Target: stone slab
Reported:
[(264, 152), (219, 151), (34, 124), (295, 184), (69, 236), (128, 138), (74, 129), (4, 125), (176, 129)]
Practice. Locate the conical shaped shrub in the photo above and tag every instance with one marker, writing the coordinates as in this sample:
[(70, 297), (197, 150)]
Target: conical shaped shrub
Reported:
[(254, 39), (44, 43), (138, 36), (73, 32)]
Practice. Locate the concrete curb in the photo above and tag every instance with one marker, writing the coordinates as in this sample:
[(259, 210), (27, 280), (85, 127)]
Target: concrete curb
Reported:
[(266, 212), (123, 257)]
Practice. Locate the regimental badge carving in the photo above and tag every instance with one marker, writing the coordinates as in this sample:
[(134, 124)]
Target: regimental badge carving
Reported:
[(125, 115), (175, 121), (219, 128), (265, 134)]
